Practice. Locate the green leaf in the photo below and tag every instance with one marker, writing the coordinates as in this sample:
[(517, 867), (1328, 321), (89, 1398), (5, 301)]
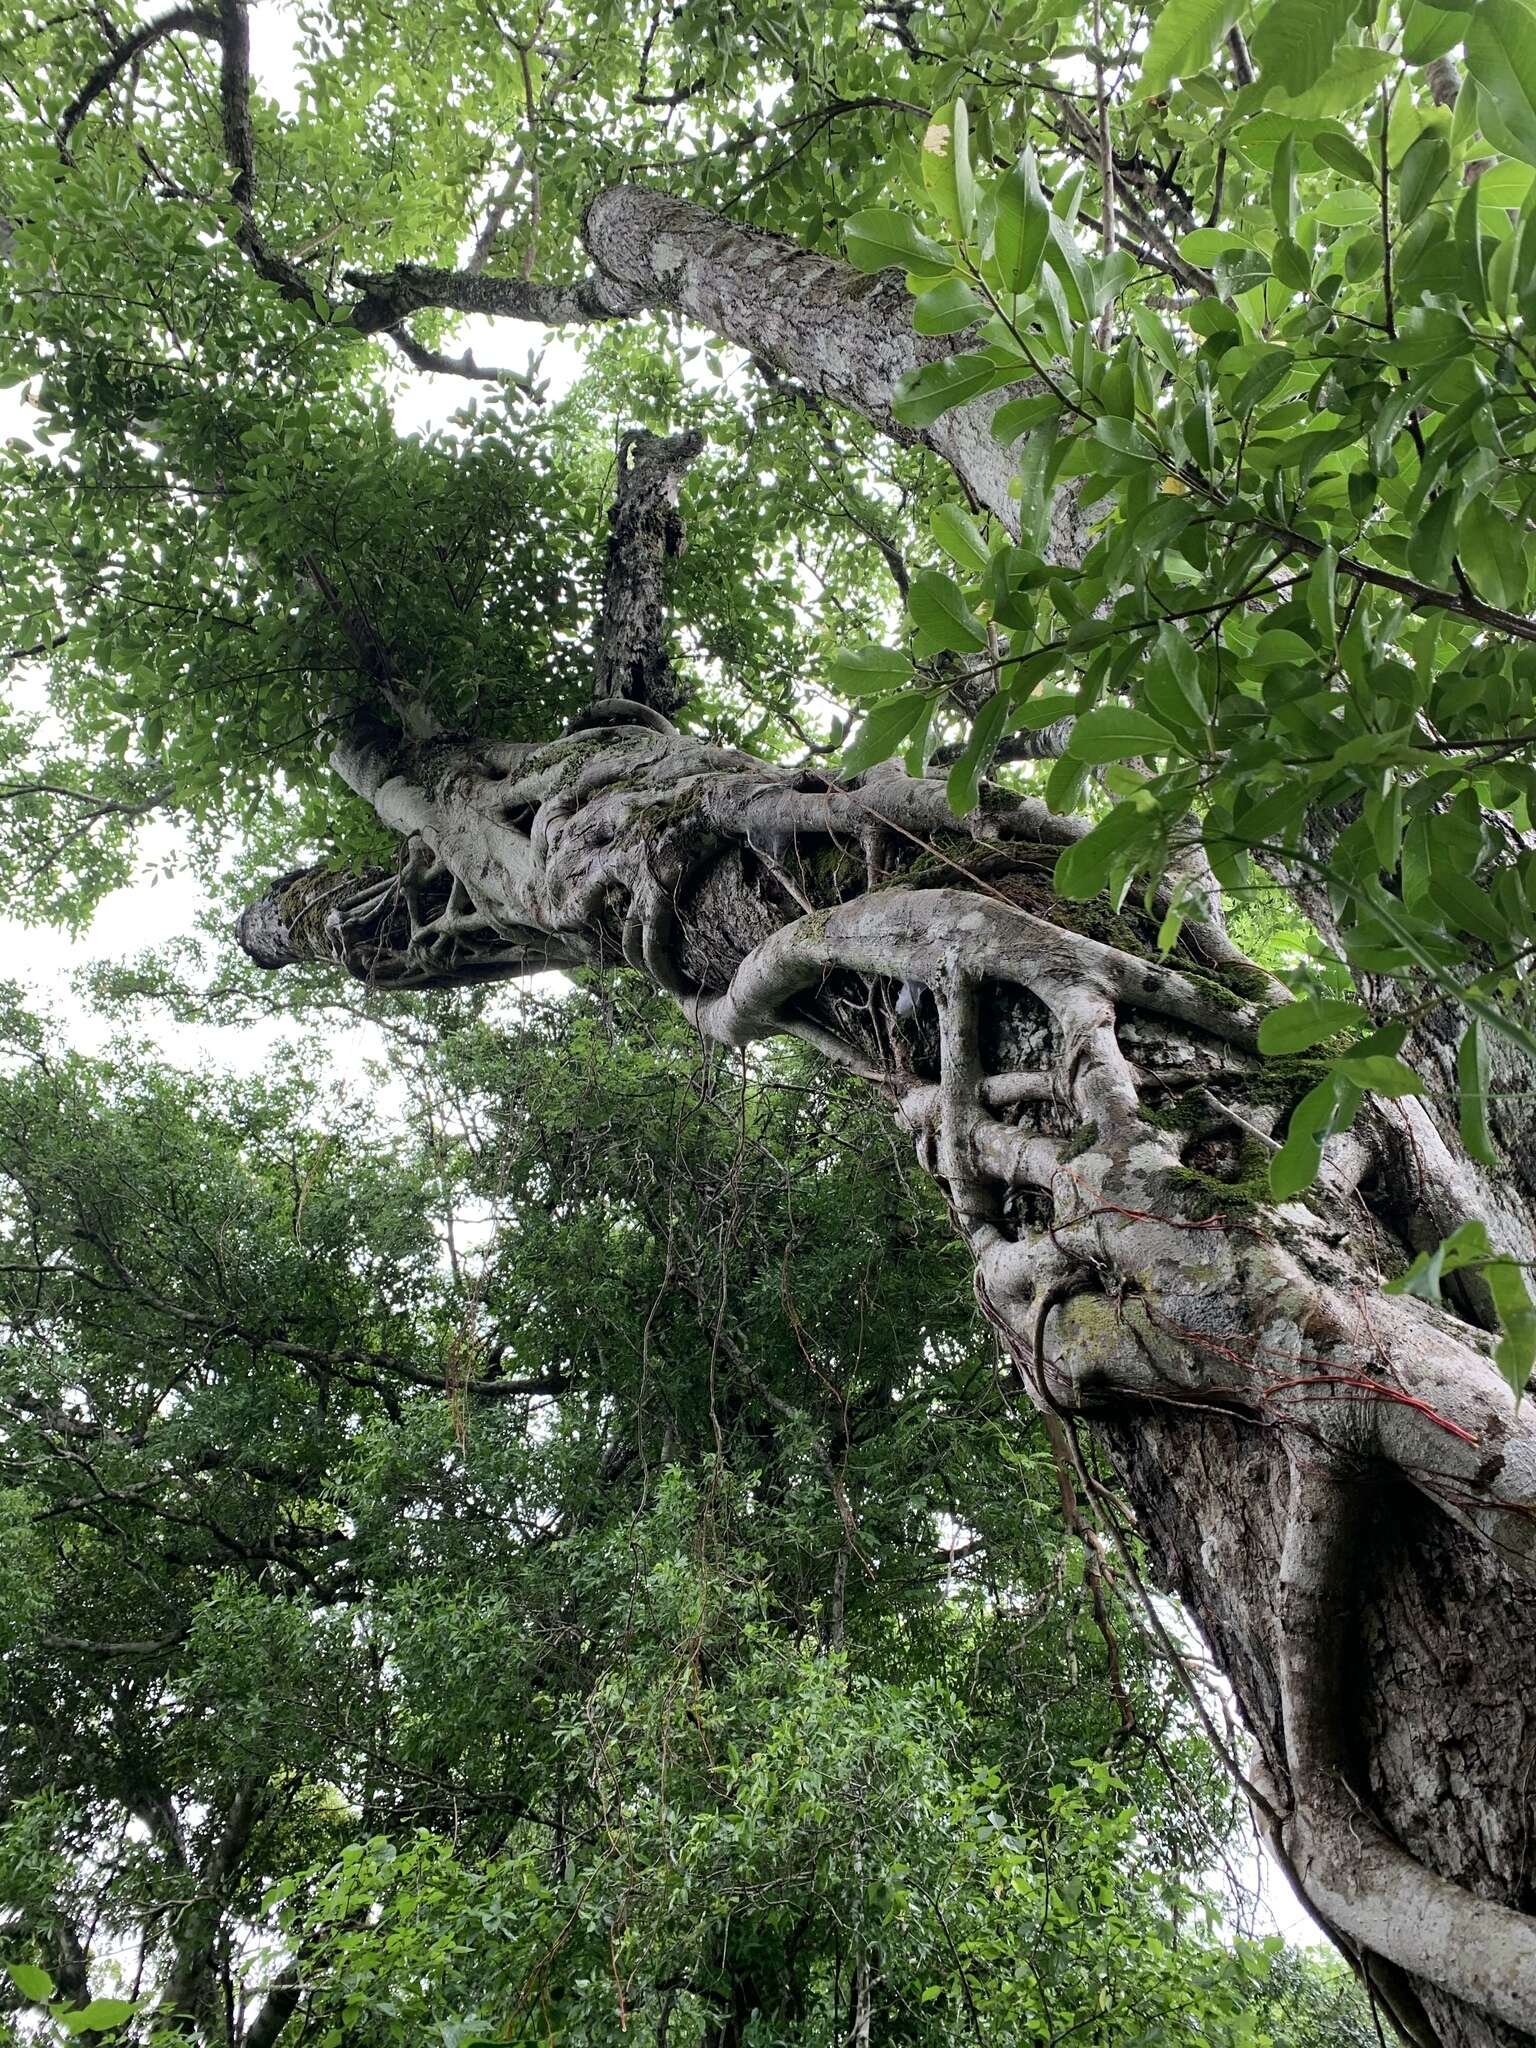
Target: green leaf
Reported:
[(1066, 259), (1127, 449), (1328, 1107), (1064, 787), (1114, 732), (1036, 468), (1352, 76), (964, 785), (1465, 906), (1084, 869), (1018, 415), (1500, 47), (1472, 1081), (1381, 1074), (922, 396), (1023, 224), (1182, 39), (101, 2016), (959, 536), (1429, 32), (1294, 41), (1183, 664), (1157, 337), (947, 176), (1297, 1027), (1432, 543), (1265, 376), (1348, 158), (1421, 174), (31, 1982), (1282, 187), (1322, 586), (1515, 1352), (1467, 1246), (949, 308), (879, 239), (883, 732), (868, 671), (937, 607)]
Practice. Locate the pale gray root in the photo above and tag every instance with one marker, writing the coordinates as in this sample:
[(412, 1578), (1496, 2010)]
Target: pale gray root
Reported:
[(622, 831), (1364, 1884)]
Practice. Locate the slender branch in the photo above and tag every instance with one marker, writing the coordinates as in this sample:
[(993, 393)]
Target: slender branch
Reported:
[(200, 21)]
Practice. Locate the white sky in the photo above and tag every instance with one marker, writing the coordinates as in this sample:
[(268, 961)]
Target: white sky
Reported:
[(163, 904)]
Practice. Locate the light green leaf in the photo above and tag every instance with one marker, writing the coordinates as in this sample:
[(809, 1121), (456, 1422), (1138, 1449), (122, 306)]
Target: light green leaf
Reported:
[(1327, 1108), (964, 785), (1381, 1074), (949, 308), (868, 671), (1084, 869), (1500, 46), (1429, 32), (1472, 1081), (31, 1982), (1464, 1247), (1432, 543), (1421, 174), (1182, 39), (879, 239), (1340, 154), (922, 396), (882, 732), (947, 175), (959, 536), (1294, 40), (1297, 1027), (1018, 415), (1023, 224), (1353, 76), (101, 2016)]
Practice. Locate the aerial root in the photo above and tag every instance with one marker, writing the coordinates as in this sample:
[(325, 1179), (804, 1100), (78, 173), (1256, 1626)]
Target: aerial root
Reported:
[(1362, 1883), (958, 1109)]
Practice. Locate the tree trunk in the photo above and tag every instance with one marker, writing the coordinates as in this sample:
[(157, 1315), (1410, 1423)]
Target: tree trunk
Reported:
[(1337, 1483)]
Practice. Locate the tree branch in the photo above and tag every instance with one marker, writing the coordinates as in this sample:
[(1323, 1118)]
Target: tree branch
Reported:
[(201, 21), (631, 656)]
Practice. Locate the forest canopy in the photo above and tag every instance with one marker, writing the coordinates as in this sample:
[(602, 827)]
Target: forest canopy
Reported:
[(1013, 580)]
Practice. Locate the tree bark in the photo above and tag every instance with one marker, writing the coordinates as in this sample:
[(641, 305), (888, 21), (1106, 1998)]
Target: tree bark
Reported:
[(1100, 1122), (840, 335)]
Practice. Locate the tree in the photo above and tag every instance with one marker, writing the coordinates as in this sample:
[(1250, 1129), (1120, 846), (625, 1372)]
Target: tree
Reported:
[(408, 1650), (1222, 339)]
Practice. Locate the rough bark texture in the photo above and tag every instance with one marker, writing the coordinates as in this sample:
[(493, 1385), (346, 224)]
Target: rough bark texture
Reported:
[(632, 657)]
